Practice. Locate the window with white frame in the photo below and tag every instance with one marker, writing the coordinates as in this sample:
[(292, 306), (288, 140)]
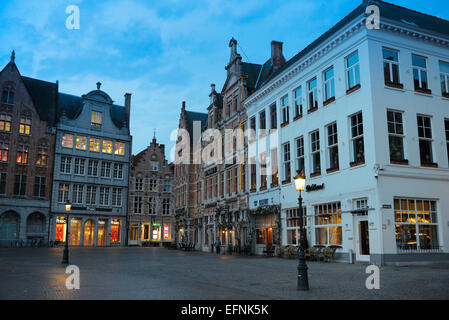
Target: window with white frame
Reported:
[(118, 171), (262, 121), (94, 144), (425, 139), (273, 117), (81, 142), (107, 146), (119, 148), (105, 171), (312, 94), (444, 77), (352, 70), (361, 205), (357, 144), (25, 125), (419, 72), (293, 225), (285, 109), (391, 66), (67, 140), (167, 186), (95, 119), (79, 166), (329, 84), (286, 161), (263, 169), (315, 158), (328, 230), (300, 164), (116, 197), (77, 193), (152, 205), (154, 165), (63, 192), (92, 168), (66, 163), (104, 196), (91, 195), (5, 122), (446, 127), (396, 135), (416, 224), (138, 203), (297, 93), (332, 146), (139, 184)]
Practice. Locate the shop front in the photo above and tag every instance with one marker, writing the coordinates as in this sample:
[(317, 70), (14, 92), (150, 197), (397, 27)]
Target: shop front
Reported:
[(156, 232), (102, 231), (75, 231), (115, 231), (266, 232), (61, 227)]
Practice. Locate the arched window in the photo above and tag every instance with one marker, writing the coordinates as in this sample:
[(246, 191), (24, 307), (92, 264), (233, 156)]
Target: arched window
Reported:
[(35, 223)]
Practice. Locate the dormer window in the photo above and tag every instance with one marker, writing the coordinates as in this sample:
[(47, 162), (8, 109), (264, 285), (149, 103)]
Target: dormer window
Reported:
[(96, 119), (8, 97)]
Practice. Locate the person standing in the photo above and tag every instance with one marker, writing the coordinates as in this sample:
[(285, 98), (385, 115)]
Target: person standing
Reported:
[(217, 245)]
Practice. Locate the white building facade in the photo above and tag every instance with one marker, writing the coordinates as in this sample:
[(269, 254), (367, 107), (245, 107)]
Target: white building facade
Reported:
[(365, 113)]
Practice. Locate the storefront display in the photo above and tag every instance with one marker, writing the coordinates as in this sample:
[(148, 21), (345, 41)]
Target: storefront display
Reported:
[(156, 232), (115, 231), (75, 231), (145, 232), (101, 232), (89, 233), (166, 232), (61, 226)]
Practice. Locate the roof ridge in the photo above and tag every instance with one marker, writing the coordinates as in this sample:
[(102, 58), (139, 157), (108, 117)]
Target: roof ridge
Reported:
[(411, 10), (38, 80)]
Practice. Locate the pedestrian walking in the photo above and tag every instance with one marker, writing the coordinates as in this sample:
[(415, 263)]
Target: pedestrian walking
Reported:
[(217, 245)]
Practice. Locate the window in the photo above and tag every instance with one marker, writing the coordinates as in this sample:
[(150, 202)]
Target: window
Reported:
[(395, 135), (94, 144), (328, 229), (95, 119), (312, 94), (4, 149), (446, 127), (228, 185), (167, 186), (104, 196), (20, 185), (154, 165), (67, 140), (298, 101), (92, 168), (286, 162), (361, 205), (358, 151), (22, 154), (79, 166), (444, 79), (138, 202), (153, 185), (419, 73), (42, 156), (91, 195), (252, 123), (262, 121), (151, 205), (66, 163), (107, 146), (416, 224), (81, 142), (300, 155), (2, 183), (425, 139), (352, 70), (39, 186), (391, 66), (263, 170), (118, 171), (285, 109), (119, 148), (315, 154), (274, 167), (273, 117), (116, 197), (242, 178), (329, 84), (78, 190), (5, 122), (63, 193), (165, 206), (293, 218), (332, 146), (25, 125), (139, 184), (8, 97), (105, 171), (253, 173)]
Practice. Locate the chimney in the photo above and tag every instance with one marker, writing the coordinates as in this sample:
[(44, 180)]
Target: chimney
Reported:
[(183, 106), (128, 105), (277, 58)]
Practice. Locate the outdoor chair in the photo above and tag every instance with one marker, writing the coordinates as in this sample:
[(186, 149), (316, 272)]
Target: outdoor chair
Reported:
[(309, 254), (291, 251), (319, 254), (326, 254)]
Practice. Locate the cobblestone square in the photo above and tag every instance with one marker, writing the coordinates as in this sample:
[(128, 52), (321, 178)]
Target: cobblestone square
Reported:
[(158, 273)]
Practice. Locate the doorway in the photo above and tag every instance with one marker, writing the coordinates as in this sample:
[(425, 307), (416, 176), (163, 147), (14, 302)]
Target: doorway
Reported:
[(362, 240)]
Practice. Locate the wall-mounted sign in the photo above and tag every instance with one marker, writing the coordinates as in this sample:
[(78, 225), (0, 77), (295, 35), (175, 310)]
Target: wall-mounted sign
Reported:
[(314, 187), (263, 202), (157, 224), (386, 206)]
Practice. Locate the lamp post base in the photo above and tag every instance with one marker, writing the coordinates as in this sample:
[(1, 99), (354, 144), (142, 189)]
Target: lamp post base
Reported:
[(303, 280)]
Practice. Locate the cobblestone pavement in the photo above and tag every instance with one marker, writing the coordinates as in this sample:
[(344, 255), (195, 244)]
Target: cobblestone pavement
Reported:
[(158, 273)]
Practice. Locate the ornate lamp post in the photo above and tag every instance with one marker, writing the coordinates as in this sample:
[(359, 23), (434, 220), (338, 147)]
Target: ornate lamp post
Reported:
[(65, 256), (303, 280)]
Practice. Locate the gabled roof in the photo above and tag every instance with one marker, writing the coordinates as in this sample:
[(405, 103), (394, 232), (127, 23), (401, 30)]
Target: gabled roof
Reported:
[(44, 97), (195, 116), (400, 15)]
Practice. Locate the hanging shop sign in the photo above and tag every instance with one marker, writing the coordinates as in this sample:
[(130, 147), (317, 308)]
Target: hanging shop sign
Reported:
[(314, 187)]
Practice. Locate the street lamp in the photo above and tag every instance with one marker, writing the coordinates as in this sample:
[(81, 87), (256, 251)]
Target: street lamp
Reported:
[(303, 281), (65, 256)]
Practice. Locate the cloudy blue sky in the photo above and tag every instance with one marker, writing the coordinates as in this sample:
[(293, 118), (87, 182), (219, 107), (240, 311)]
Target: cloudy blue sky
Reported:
[(161, 51)]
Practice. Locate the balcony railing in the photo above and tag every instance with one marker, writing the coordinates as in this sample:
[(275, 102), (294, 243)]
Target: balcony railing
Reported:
[(412, 248)]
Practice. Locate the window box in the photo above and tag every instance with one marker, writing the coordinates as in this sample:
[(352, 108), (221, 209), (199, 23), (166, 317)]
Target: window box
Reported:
[(253, 190), (316, 174), (328, 101), (394, 85), (330, 170), (354, 88), (262, 188), (297, 117), (284, 124), (446, 95), (312, 110), (286, 181), (404, 162), (429, 164), (355, 164), (422, 90), (272, 185)]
